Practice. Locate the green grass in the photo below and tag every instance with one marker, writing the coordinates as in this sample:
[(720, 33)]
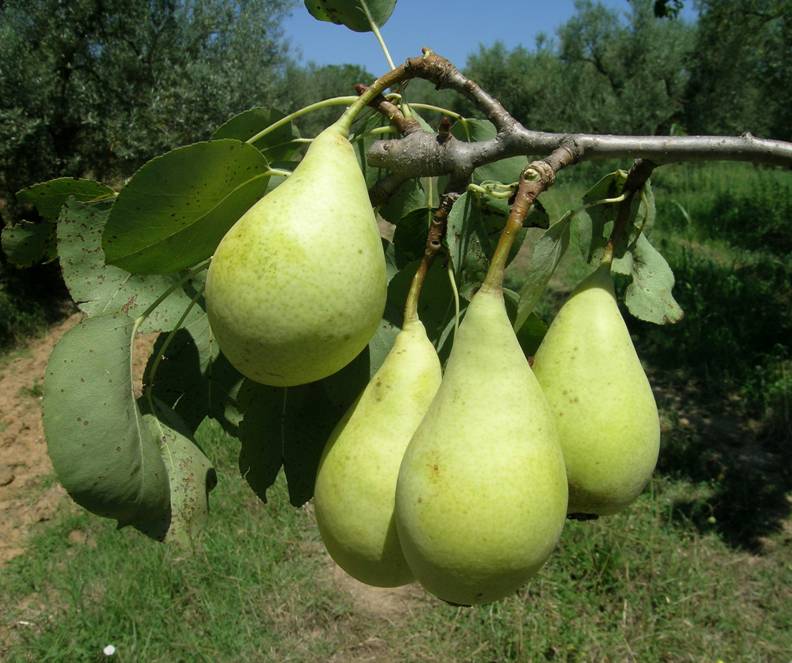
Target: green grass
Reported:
[(646, 584)]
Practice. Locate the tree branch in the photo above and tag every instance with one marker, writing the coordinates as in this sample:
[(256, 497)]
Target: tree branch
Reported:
[(421, 154)]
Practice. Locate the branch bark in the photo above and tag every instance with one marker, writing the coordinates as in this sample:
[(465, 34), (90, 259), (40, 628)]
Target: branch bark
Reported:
[(421, 154)]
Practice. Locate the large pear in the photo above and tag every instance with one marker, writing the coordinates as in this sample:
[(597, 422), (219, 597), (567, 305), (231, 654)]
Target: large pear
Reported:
[(603, 404), (482, 492), (297, 287), (356, 481)]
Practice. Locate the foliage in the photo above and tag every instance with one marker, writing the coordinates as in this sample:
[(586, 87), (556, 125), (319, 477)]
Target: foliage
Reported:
[(741, 73), (628, 77), (90, 86)]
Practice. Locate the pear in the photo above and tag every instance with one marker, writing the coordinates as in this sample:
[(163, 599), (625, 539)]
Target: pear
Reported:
[(297, 286), (603, 404), (482, 492), (356, 481)]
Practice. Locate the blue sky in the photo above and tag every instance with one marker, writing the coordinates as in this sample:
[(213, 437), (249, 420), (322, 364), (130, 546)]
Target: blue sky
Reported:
[(453, 28)]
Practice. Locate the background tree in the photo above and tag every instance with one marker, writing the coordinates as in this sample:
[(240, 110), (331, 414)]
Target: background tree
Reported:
[(741, 69), (102, 85)]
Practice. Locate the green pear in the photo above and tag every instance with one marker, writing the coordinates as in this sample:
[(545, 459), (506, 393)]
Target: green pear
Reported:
[(603, 404), (356, 481), (482, 492), (297, 286)]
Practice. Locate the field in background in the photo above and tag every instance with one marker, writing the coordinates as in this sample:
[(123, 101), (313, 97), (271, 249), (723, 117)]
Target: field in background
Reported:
[(699, 569)]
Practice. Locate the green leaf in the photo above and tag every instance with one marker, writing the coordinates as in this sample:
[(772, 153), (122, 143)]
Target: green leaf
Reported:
[(277, 145), (471, 235), (193, 378), (546, 255), (49, 197), (102, 451), (602, 215), (290, 427), (435, 305), (98, 288), (409, 240), (532, 331), (351, 13), (190, 478), (261, 432), (506, 170), (649, 296), (177, 207), (26, 244), (409, 197)]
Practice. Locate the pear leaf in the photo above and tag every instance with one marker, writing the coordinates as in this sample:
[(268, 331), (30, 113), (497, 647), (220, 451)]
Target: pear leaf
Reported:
[(532, 331), (604, 214), (98, 288), (649, 296), (102, 451), (278, 145), (289, 427), (193, 378), (410, 196), (177, 207), (351, 13), (26, 244), (409, 240), (547, 253), (49, 197), (436, 304), (190, 478)]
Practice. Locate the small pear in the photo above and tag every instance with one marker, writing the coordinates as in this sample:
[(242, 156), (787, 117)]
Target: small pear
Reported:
[(297, 286), (356, 481), (482, 492), (603, 404)]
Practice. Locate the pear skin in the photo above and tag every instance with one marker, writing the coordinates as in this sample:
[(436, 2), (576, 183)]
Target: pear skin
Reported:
[(482, 492), (297, 286), (603, 404), (356, 481)]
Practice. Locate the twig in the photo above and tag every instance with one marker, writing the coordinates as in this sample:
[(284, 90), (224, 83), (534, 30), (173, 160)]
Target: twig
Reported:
[(420, 154)]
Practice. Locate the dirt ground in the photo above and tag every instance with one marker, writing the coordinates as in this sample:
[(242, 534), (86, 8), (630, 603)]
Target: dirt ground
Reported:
[(28, 495)]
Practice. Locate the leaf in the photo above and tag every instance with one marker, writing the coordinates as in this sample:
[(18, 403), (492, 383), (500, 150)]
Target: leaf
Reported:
[(277, 145), (532, 331), (409, 240), (609, 186), (506, 170), (435, 305), (102, 451), (26, 244), (351, 13), (471, 236), (409, 197), (177, 207), (193, 378), (547, 253), (649, 296), (261, 434), (98, 288), (191, 477), (49, 197), (290, 427)]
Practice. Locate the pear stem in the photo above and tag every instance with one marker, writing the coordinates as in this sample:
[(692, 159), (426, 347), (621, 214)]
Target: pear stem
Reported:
[(636, 178), (434, 245), (375, 30), (536, 178), (411, 68), (325, 103)]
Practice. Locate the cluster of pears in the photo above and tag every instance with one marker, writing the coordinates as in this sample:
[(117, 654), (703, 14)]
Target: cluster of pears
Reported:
[(461, 480)]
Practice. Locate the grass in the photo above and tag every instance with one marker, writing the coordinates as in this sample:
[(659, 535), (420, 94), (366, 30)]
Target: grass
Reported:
[(647, 584)]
